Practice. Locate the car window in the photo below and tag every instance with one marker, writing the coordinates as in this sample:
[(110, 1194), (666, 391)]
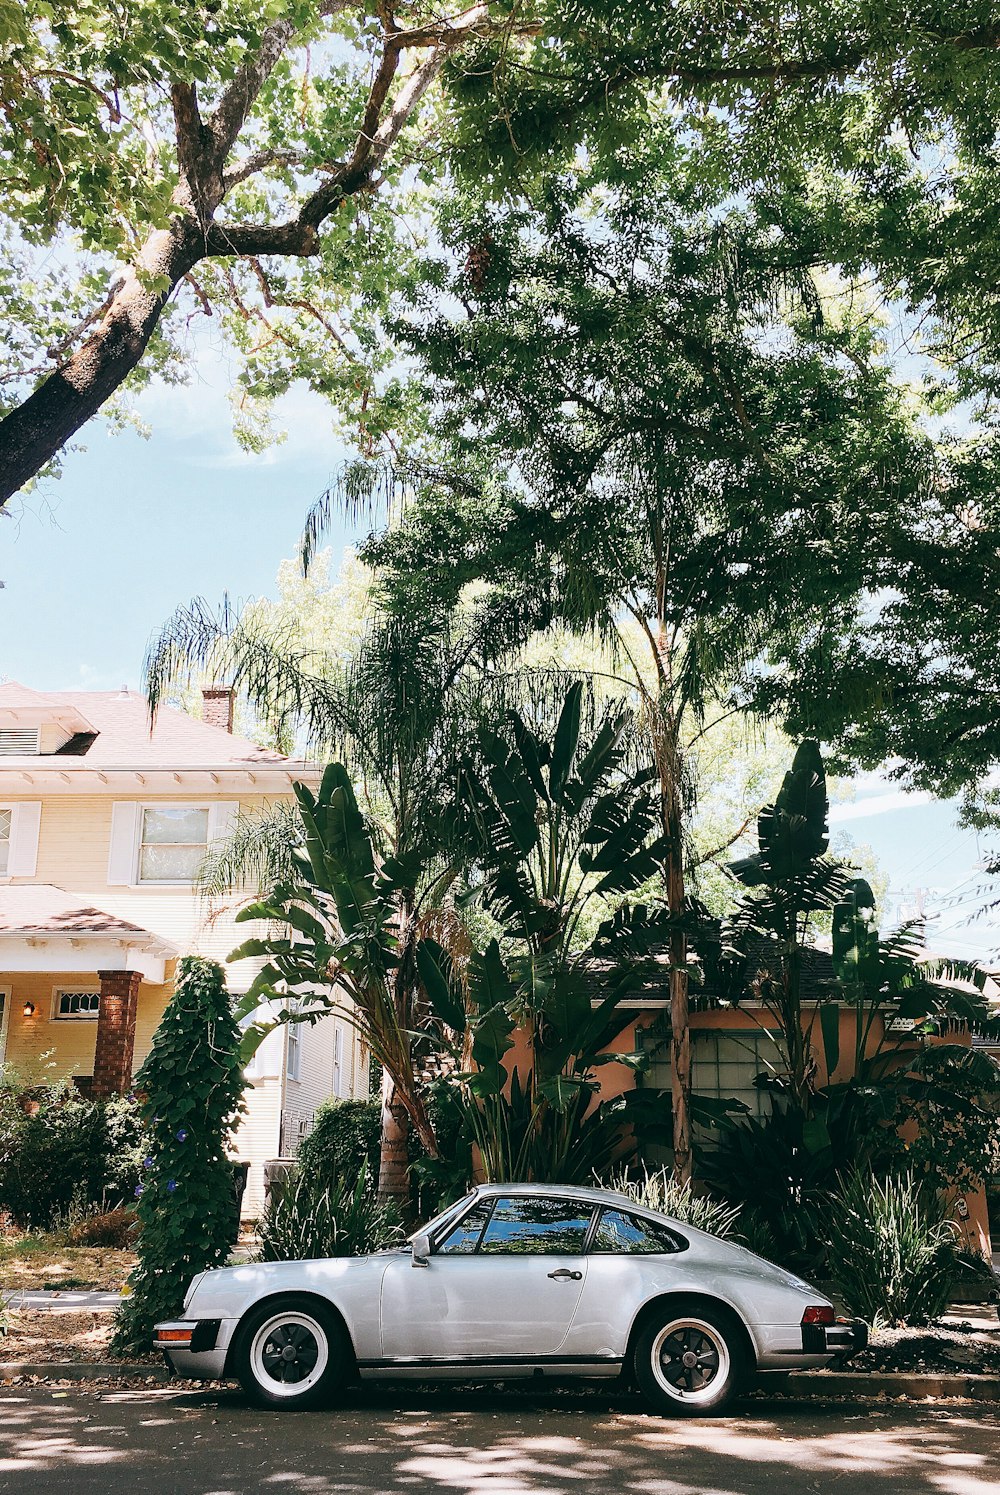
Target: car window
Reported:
[(464, 1239), (536, 1227), (618, 1231)]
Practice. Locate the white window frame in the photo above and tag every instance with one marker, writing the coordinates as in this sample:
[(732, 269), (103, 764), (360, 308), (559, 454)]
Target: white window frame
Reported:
[(338, 1059), (293, 1051), (9, 843), (7, 994), (167, 882), (73, 1017)]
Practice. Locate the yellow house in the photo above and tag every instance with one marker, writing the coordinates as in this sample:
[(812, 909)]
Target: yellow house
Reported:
[(103, 826)]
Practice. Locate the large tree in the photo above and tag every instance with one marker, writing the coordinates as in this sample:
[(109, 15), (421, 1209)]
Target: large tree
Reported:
[(250, 160), (650, 422), (207, 148)]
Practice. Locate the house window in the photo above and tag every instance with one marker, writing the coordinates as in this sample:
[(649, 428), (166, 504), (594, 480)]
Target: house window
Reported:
[(338, 1060), (293, 1052), (6, 822), (70, 1003), (172, 843)]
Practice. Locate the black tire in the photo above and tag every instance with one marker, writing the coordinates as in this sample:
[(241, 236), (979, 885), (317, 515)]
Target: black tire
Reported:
[(291, 1353), (690, 1360)]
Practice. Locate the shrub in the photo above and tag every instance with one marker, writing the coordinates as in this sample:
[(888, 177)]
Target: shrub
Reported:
[(191, 1086), (344, 1141), (764, 1166), (311, 1220), (893, 1251), (116, 1228), (65, 1152), (661, 1192)]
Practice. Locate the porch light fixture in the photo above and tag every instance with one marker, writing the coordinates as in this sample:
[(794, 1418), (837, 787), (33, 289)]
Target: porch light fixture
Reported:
[(29, 1009)]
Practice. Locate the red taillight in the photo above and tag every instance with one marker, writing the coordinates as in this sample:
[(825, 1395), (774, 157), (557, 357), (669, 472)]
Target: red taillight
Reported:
[(818, 1313)]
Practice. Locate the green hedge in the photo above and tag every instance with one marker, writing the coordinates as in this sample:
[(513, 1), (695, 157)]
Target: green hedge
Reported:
[(343, 1142), (60, 1153)]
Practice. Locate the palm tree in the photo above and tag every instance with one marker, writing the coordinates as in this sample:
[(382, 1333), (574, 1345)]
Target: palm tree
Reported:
[(397, 713)]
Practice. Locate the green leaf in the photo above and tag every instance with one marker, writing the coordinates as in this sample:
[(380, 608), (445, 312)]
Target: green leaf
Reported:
[(829, 1018), (564, 744), (438, 977)]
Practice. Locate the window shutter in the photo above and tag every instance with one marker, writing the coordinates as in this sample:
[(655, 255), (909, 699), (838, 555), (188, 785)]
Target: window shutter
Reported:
[(24, 822), (222, 818), (124, 836)]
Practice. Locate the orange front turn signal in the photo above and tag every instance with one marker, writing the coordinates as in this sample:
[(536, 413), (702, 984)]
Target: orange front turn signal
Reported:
[(176, 1336)]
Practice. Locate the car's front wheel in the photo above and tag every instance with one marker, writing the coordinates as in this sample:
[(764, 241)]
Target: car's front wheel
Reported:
[(291, 1352), (690, 1361)]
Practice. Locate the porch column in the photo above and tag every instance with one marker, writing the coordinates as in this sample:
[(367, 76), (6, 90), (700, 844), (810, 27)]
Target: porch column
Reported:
[(115, 1033)]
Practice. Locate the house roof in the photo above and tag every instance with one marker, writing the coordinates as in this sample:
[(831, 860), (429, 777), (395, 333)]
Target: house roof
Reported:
[(44, 909), (111, 729), (652, 985)]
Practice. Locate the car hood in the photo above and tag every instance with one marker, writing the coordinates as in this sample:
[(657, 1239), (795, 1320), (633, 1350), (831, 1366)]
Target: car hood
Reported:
[(257, 1279)]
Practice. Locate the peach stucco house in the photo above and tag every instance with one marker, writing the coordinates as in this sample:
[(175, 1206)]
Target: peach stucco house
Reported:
[(103, 825)]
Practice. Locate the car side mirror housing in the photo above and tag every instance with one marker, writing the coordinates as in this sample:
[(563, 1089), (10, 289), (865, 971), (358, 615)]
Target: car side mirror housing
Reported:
[(421, 1248)]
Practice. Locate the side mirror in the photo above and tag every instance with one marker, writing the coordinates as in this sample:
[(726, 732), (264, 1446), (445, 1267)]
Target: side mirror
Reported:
[(421, 1248)]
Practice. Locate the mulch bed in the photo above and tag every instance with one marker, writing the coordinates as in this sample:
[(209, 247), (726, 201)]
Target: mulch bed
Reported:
[(41, 1335), (943, 1349)]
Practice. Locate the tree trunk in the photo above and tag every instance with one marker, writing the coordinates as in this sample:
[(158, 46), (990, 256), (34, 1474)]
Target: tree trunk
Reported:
[(669, 768), (394, 1162), (32, 434), (680, 1030)]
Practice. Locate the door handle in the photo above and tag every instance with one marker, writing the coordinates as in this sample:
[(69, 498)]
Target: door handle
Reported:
[(563, 1274)]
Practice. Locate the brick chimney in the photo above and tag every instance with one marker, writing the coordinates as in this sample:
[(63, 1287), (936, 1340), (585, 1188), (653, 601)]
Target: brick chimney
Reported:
[(220, 701)]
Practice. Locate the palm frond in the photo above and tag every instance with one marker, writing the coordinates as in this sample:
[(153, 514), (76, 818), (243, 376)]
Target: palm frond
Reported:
[(256, 856)]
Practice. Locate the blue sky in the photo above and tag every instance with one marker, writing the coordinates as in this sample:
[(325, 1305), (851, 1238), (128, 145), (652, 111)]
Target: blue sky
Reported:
[(93, 565)]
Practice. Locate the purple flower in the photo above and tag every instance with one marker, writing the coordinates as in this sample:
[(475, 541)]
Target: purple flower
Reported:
[(182, 1135), (171, 1186), (138, 1191), (147, 1162)]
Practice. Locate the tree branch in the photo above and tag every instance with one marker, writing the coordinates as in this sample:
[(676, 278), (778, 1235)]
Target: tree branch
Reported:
[(189, 134), (260, 161)]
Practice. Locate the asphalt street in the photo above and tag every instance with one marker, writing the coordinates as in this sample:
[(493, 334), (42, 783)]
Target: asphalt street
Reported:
[(469, 1442)]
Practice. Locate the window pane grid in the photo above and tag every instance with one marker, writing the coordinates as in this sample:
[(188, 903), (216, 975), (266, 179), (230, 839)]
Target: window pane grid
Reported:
[(174, 840), (81, 1004)]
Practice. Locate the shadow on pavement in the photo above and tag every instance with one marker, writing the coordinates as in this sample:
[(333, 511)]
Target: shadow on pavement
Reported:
[(468, 1441)]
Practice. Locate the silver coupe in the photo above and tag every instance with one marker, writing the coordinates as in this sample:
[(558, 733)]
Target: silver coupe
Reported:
[(514, 1280)]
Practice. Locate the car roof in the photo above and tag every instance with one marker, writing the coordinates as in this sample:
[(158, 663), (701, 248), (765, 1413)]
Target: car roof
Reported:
[(562, 1191)]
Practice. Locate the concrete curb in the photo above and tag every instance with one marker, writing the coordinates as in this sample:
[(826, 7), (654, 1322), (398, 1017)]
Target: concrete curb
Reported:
[(82, 1370), (867, 1384), (811, 1384)]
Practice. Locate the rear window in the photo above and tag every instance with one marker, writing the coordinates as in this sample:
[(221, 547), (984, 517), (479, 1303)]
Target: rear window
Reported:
[(622, 1233)]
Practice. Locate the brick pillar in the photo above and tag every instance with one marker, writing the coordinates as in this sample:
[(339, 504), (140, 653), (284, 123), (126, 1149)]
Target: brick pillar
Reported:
[(219, 702), (115, 1033)]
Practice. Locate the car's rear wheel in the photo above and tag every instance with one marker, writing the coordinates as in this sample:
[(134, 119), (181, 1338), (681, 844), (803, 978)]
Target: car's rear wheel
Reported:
[(690, 1361), (291, 1352)]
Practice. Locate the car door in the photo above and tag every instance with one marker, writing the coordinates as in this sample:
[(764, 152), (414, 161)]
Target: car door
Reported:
[(503, 1284)]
